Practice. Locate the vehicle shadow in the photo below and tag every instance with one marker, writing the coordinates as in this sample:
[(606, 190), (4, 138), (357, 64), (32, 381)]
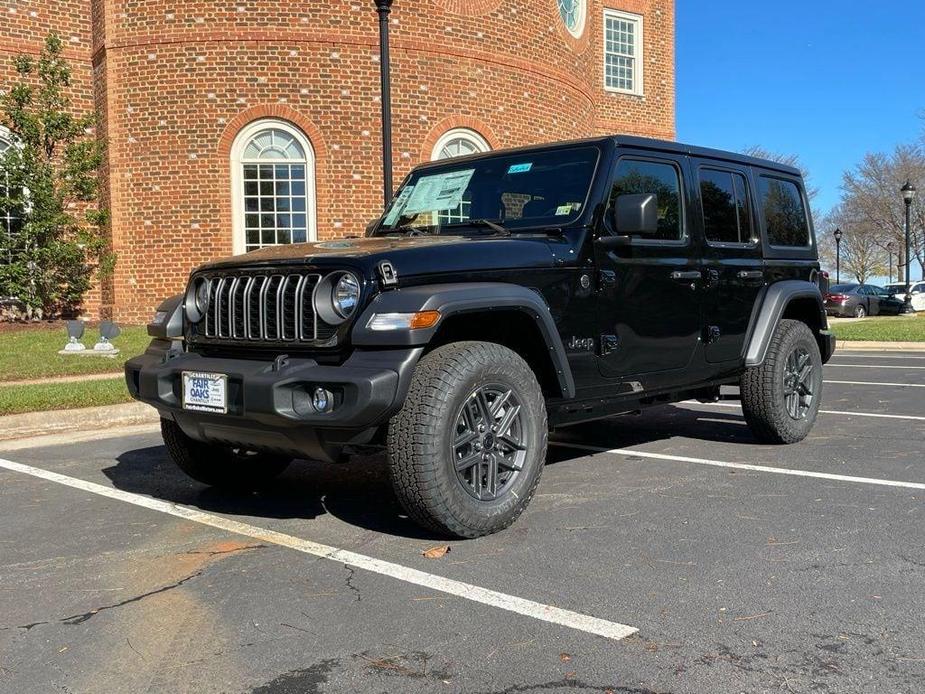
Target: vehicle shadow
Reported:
[(358, 492)]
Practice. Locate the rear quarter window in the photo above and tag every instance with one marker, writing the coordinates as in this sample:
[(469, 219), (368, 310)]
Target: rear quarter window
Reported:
[(784, 213)]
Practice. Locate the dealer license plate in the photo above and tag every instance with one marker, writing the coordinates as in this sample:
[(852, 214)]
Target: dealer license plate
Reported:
[(205, 392)]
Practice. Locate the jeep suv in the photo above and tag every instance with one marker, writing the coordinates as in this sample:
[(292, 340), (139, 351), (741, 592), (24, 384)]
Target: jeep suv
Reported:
[(498, 296)]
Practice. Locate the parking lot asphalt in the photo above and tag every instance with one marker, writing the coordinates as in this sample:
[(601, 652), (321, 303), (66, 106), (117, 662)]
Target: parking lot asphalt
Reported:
[(743, 568)]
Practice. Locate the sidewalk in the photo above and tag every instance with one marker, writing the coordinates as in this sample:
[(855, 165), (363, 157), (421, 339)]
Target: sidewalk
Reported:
[(16, 426), (864, 346)]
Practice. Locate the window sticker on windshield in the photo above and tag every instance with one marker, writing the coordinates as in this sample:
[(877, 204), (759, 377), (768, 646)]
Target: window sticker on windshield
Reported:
[(520, 168), (398, 206), (565, 209), (439, 192)]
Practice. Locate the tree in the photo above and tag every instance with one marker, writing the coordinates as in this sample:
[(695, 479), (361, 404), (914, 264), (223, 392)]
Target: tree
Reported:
[(871, 190), (50, 176), (863, 254)]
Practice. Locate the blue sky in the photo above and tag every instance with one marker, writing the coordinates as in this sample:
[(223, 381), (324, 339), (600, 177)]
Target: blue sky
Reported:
[(826, 80)]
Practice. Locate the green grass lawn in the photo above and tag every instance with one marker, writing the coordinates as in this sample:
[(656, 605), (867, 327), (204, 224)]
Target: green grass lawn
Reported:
[(883, 329), (62, 396), (33, 352)]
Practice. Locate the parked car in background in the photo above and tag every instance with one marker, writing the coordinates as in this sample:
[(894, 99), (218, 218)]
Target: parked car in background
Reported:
[(898, 289), (860, 300)]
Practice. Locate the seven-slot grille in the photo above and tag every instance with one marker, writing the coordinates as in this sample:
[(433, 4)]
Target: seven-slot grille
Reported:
[(271, 307)]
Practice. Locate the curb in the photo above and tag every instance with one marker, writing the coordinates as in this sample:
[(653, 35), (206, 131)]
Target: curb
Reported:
[(17, 426), (862, 346), (53, 380)]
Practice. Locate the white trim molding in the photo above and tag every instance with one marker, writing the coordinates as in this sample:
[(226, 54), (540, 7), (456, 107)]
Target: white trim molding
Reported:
[(296, 150)]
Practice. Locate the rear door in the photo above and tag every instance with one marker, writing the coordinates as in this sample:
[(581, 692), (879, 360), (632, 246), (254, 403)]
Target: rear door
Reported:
[(733, 269)]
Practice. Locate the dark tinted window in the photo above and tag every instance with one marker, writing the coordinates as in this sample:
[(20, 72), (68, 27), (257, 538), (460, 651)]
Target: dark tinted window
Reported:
[(784, 213), (726, 215), (662, 179)]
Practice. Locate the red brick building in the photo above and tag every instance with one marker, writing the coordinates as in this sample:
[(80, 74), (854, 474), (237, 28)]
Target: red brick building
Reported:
[(235, 123)]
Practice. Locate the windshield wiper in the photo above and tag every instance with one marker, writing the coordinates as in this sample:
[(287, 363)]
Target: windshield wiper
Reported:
[(411, 230), (488, 224)]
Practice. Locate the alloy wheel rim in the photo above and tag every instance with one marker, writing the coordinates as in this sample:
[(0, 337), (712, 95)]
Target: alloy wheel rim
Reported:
[(489, 448), (798, 383)]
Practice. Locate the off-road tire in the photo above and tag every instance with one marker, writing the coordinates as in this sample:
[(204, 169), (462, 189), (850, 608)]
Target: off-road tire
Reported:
[(421, 439), (860, 311), (220, 466), (763, 387)]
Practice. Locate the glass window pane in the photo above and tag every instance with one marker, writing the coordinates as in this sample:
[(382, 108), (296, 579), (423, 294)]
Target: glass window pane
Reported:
[(268, 237), (283, 236), (266, 204), (251, 205), (662, 179), (744, 206), (250, 188), (267, 221), (298, 236), (720, 212), (251, 221), (297, 172), (298, 188), (250, 172), (298, 220), (266, 187), (266, 172), (253, 237), (282, 204), (283, 221), (783, 211), (298, 204)]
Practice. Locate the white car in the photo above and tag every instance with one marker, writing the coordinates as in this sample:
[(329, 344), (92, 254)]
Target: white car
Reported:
[(918, 293)]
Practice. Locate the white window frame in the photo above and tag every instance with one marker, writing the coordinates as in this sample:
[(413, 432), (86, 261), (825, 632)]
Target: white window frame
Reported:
[(468, 134), (638, 63), (243, 138)]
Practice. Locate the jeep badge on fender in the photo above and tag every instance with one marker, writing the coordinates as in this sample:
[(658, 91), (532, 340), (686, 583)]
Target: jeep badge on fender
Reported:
[(498, 330)]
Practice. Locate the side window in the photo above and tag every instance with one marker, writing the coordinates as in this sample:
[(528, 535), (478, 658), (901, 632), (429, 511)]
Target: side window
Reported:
[(661, 178), (726, 209), (784, 214)]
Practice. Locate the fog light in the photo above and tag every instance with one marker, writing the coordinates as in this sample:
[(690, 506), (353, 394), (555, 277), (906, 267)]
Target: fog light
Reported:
[(322, 400)]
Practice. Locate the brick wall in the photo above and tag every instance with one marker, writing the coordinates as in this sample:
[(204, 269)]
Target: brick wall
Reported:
[(173, 83)]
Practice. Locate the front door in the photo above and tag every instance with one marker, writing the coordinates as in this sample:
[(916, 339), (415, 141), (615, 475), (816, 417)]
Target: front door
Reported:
[(732, 262), (649, 295)]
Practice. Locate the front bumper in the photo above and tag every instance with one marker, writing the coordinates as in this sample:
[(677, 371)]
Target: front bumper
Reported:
[(269, 404)]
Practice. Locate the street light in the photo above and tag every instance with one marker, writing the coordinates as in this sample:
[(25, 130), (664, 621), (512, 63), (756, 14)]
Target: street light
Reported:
[(384, 8), (889, 252), (908, 192), (837, 234)]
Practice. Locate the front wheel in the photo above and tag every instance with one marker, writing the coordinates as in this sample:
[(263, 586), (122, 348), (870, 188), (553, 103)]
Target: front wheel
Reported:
[(467, 449), (220, 466), (780, 398)]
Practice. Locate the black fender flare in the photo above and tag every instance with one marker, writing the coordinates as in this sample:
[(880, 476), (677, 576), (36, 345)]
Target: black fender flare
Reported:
[(168, 319), (454, 299), (776, 299)]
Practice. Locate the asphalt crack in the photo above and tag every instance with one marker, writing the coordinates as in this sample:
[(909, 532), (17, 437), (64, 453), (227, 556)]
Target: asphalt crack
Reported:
[(351, 572), (81, 618)]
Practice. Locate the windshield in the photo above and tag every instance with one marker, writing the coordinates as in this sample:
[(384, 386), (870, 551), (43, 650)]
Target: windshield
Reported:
[(896, 287), (516, 191)]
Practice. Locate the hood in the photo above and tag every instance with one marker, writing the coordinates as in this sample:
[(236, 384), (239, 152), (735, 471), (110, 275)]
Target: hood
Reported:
[(413, 255)]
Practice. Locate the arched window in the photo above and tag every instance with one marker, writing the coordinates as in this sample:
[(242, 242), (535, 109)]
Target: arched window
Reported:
[(10, 219), (458, 143), (574, 14), (273, 179)]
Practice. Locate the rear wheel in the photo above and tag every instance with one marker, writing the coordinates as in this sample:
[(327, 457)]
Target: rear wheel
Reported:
[(467, 449), (220, 466), (860, 311), (781, 397)]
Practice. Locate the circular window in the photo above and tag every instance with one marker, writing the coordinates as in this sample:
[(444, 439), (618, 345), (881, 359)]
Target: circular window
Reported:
[(574, 13)]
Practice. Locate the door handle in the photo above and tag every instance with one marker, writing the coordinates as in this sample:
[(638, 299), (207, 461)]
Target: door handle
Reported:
[(686, 275), (750, 274)]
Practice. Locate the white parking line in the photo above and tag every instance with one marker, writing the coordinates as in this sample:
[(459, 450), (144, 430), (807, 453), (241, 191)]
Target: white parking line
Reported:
[(739, 466), (511, 603), (877, 383), (875, 415), (874, 366)]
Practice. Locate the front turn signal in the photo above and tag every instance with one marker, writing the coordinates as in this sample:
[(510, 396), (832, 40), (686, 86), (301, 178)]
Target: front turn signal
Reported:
[(403, 321)]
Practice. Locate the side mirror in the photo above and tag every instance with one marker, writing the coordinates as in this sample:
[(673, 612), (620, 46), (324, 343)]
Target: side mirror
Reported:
[(636, 214)]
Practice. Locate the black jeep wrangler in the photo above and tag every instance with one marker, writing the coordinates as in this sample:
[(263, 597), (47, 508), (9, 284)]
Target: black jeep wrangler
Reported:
[(498, 296)]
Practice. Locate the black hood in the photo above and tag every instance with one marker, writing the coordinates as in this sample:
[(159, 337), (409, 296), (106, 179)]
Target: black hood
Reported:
[(413, 255)]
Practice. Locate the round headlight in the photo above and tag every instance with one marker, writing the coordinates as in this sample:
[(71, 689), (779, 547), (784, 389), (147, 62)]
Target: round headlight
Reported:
[(202, 296), (346, 295)]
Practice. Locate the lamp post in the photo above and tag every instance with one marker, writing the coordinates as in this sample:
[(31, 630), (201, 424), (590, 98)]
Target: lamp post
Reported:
[(908, 192), (889, 252), (384, 8), (837, 234)]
